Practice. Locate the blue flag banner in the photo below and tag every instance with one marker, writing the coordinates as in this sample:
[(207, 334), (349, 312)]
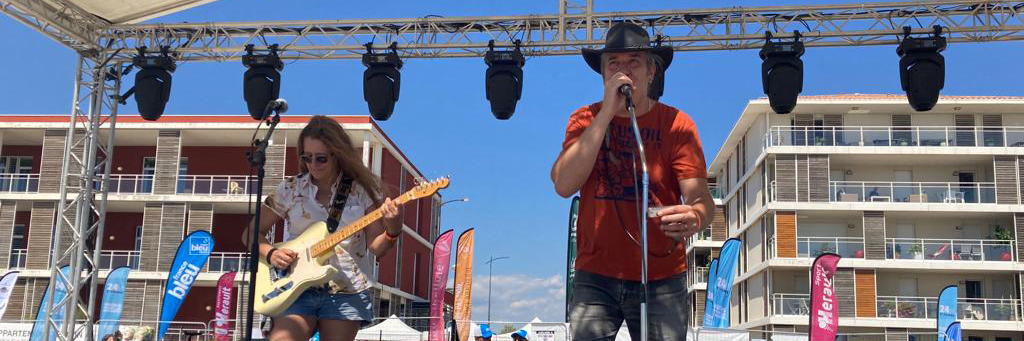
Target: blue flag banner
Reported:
[(113, 300), (953, 332), (720, 288), (709, 295), (59, 292), (192, 254), (947, 310)]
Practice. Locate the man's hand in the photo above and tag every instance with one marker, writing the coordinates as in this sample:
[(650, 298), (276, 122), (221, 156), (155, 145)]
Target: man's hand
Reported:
[(613, 101), (679, 221), (283, 258)]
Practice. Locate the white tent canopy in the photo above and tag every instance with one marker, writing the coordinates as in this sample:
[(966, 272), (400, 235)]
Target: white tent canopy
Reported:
[(391, 329)]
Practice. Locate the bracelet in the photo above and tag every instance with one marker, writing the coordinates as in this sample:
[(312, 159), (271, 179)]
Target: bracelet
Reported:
[(268, 255), (391, 238)]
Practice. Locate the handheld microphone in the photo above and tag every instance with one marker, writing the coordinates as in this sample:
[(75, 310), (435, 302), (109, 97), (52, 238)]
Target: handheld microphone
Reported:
[(627, 90)]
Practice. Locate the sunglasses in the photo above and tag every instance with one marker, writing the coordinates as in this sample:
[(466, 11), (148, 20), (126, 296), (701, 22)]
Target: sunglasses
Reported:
[(317, 158)]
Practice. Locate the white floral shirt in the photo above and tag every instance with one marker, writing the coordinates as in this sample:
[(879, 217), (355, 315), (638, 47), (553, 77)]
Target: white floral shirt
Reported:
[(295, 201)]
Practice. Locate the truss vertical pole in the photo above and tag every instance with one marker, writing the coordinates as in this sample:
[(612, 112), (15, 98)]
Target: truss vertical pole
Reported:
[(78, 179)]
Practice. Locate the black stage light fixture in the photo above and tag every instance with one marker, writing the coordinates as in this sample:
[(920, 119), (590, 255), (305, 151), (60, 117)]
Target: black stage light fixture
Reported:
[(657, 88), (153, 83), (922, 68), (381, 81), (504, 79), (262, 82), (782, 72)]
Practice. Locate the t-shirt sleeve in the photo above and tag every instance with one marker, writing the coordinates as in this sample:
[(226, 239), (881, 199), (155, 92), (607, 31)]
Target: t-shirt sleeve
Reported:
[(688, 159), (280, 201), (578, 123)]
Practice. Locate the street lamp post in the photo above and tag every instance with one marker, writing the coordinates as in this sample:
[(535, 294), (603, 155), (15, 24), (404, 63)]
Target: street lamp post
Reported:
[(442, 205), (490, 267)]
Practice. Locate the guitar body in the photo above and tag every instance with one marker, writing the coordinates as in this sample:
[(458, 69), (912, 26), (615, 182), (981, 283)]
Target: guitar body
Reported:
[(276, 289)]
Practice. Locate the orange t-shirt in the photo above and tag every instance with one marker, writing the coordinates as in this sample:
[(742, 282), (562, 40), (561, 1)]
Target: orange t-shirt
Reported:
[(608, 230)]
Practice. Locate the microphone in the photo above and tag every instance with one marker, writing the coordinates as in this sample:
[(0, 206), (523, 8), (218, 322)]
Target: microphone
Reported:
[(627, 90), (280, 105)]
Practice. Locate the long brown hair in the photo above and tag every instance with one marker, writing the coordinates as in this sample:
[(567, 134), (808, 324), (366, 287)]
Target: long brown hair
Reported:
[(340, 145)]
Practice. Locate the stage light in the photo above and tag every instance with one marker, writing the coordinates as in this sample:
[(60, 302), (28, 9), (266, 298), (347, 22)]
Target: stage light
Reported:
[(262, 82), (922, 68), (153, 83), (782, 72), (504, 79), (381, 81)]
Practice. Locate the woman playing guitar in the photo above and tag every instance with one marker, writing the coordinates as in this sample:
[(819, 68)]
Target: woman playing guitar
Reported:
[(339, 309)]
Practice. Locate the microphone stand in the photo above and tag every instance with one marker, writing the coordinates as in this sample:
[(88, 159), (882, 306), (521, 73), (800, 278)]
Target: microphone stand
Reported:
[(645, 183), (258, 159)]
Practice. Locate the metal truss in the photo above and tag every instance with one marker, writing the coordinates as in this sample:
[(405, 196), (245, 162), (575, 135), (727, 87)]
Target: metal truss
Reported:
[(81, 213), (60, 20), (566, 33)]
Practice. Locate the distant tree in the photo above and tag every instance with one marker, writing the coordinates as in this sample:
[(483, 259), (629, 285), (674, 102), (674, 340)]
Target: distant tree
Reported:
[(508, 328)]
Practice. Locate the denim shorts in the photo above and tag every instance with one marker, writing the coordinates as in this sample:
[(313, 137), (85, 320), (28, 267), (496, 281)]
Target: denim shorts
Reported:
[(319, 303)]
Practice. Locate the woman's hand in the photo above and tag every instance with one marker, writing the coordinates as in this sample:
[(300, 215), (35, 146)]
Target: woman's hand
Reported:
[(392, 221)]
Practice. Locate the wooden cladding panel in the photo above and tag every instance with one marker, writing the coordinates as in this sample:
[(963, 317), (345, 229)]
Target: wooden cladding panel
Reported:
[(874, 235), (785, 234), (1006, 179), (866, 293)]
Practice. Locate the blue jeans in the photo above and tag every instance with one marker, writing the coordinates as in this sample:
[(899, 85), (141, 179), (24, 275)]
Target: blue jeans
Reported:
[(600, 304)]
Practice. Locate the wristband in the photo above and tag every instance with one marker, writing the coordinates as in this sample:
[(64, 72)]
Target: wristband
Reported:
[(390, 237), (268, 255)]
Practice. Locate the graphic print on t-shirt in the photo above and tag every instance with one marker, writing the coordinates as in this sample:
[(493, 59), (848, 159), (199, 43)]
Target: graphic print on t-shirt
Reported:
[(617, 171)]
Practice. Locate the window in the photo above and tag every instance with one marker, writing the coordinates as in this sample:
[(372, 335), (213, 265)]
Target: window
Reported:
[(415, 273), (398, 262), (138, 238), (11, 165), (18, 248), (149, 168)]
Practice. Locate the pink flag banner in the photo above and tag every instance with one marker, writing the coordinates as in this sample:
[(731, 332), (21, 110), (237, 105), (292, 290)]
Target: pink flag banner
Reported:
[(438, 281), (225, 291), (824, 307)]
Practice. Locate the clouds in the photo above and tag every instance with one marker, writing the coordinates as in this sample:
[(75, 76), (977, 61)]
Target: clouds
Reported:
[(520, 298)]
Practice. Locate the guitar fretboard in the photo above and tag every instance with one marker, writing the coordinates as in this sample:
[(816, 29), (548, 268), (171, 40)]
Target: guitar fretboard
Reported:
[(324, 246)]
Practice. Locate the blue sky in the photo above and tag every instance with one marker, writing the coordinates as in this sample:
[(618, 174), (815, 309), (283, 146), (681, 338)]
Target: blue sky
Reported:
[(443, 123)]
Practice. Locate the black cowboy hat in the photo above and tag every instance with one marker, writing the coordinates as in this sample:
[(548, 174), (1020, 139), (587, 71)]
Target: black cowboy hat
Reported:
[(627, 37)]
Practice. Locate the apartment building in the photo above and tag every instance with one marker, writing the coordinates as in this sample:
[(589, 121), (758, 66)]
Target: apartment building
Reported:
[(177, 175), (912, 201)]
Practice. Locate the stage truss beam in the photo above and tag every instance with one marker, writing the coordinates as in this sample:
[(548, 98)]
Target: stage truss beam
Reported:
[(566, 33)]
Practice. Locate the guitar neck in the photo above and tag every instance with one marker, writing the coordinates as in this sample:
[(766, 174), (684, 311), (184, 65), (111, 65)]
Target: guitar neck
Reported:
[(338, 236)]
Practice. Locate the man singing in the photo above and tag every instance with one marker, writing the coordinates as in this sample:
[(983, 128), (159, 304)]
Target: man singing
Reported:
[(598, 160)]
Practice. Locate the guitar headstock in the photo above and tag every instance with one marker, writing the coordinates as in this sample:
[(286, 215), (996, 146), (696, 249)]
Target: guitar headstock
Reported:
[(427, 189)]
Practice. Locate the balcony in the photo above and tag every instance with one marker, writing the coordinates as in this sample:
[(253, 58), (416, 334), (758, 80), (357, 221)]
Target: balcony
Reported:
[(110, 260), (847, 247), (228, 262), (976, 309), (715, 192), (216, 184), (913, 192), (888, 136), (960, 250), (791, 304), (699, 275), (19, 183), (131, 183), (18, 258)]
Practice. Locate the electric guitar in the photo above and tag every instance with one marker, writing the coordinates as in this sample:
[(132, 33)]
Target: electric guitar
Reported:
[(277, 289)]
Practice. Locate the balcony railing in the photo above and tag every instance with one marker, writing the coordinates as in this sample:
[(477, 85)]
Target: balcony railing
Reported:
[(228, 261), (699, 275), (847, 247), (18, 258), (19, 183), (110, 260), (703, 235), (131, 183), (216, 184), (791, 304), (888, 136), (913, 192), (963, 250), (715, 192), (979, 309)]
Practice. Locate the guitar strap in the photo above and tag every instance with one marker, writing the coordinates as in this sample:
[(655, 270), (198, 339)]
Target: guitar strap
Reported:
[(338, 202)]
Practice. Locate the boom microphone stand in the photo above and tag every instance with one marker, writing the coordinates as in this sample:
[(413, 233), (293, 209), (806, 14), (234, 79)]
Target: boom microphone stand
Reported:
[(644, 184), (258, 159)]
